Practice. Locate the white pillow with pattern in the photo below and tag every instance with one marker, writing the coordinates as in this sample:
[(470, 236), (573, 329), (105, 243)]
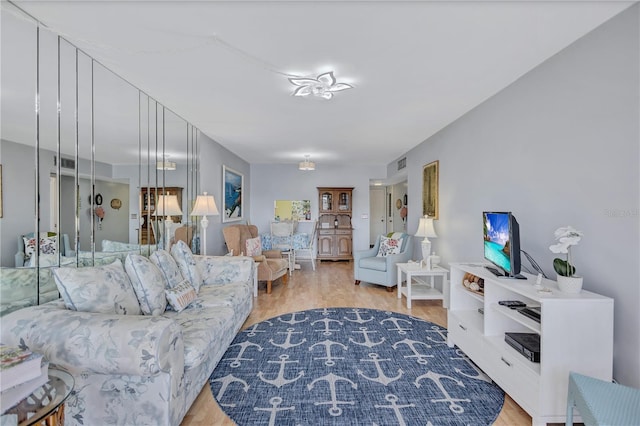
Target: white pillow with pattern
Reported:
[(389, 246), (181, 295), (187, 264), (148, 284), (99, 289), (253, 247), (169, 268)]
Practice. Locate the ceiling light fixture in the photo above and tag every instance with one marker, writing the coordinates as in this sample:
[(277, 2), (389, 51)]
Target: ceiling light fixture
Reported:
[(322, 87), (306, 164), (166, 165)]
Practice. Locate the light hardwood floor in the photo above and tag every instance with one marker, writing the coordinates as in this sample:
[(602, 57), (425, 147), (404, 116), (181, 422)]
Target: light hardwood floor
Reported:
[(331, 285)]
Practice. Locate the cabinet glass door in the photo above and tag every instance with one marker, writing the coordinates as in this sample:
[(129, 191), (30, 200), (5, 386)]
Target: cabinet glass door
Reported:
[(344, 201), (327, 201)]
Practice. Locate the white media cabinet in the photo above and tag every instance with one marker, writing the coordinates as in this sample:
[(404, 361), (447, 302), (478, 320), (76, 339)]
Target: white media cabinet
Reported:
[(576, 334)]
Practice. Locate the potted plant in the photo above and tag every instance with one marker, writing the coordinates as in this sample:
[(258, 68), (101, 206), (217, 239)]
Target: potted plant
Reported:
[(566, 237)]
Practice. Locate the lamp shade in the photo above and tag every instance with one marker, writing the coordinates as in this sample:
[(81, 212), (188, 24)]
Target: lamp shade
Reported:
[(205, 206), (167, 206), (425, 228)]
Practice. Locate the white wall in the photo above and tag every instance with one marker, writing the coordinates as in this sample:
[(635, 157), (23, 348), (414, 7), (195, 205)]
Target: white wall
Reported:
[(559, 147), (270, 182)]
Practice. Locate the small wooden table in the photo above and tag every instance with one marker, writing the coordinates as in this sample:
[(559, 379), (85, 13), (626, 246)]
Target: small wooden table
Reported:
[(45, 406), (421, 289)]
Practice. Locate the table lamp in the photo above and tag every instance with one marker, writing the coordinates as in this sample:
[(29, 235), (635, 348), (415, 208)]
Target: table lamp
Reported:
[(167, 206), (426, 230), (205, 206)]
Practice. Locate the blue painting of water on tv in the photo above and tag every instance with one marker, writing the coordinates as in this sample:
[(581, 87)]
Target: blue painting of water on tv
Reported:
[(496, 238)]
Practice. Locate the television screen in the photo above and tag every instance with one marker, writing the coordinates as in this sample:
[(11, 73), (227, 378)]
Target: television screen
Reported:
[(502, 242)]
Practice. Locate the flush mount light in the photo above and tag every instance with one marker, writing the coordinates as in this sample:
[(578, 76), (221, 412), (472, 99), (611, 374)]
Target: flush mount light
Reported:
[(322, 87), (165, 165), (306, 164)]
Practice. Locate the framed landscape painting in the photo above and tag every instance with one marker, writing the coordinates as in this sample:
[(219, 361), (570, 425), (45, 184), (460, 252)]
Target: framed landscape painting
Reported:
[(232, 183)]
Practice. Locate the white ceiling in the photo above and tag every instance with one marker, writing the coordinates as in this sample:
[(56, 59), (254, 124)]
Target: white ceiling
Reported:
[(416, 66)]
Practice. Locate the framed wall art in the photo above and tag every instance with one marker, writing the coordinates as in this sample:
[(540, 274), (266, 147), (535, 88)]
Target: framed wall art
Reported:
[(430, 190), (0, 190), (232, 186)]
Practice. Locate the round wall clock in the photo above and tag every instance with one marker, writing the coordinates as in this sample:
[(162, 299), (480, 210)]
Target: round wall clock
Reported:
[(116, 204), (99, 199)]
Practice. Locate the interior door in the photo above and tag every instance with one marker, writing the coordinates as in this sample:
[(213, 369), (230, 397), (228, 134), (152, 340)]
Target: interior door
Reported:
[(377, 222)]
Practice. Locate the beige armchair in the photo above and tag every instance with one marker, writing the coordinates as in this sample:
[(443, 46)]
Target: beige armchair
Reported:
[(271, 265)]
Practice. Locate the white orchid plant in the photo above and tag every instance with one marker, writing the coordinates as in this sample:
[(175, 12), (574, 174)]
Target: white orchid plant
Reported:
[(566, 237)]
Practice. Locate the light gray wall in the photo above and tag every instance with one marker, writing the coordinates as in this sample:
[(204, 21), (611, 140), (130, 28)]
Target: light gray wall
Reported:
[(559, 147), (212, 157), (270, 182)]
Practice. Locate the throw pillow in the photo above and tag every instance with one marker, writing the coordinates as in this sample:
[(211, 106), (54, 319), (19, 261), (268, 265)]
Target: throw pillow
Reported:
[(148, 284), (48, 245), (253, 247), (389, 246), (99, 289), (169, 268), (181, 295), (187, 264)]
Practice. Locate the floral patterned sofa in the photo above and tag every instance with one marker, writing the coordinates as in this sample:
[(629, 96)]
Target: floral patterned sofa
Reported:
[(133, 361)]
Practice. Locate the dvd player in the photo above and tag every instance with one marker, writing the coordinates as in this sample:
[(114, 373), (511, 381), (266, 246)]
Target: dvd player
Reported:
[(532, 312), (527, 344)]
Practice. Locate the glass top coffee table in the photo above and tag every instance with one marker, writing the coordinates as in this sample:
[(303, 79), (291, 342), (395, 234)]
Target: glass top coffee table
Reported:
[(46, 404)]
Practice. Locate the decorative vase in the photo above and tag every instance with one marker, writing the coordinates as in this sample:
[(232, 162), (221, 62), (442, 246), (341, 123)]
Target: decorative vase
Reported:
[(570, 284)]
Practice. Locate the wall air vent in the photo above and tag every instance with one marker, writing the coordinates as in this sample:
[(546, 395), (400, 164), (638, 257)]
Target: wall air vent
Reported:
[(402, 163), (67, 163)]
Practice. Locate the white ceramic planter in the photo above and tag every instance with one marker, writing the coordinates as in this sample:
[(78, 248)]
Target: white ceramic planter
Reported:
[(570, 284)]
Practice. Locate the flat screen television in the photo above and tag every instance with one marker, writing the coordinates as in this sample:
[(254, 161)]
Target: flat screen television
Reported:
[(502, 244)]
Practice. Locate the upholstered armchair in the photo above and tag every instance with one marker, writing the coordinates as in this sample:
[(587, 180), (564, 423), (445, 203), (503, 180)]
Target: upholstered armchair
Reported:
[(271, 265), (369, 267)]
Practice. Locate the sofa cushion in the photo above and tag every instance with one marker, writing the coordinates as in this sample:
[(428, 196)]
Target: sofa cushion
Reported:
[(180, 296), (375, 263), (187, 264), (148, 284), (203, 330), (389, 246), (169, 268), (100, 289)]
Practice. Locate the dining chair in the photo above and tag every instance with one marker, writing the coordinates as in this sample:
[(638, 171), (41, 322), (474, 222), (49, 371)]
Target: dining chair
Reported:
[(282, 239)]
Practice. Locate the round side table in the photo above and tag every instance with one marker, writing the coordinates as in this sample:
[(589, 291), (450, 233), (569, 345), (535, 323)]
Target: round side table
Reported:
[(45, 406)]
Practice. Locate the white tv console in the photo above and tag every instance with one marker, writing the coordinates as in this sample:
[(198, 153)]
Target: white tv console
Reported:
[(576, 334)]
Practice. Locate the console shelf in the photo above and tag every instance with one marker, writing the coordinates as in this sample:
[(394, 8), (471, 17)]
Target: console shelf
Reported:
[(576, 334)]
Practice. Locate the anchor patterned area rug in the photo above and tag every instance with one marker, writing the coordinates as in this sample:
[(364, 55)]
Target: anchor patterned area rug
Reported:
[(351, 366)]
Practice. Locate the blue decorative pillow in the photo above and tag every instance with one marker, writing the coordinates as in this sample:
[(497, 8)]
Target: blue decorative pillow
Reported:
[(148, 284), (100, 289)]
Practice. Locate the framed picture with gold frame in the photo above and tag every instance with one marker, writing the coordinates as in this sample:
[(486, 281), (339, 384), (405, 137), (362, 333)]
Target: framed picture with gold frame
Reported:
[(430, 190), (0, 190)]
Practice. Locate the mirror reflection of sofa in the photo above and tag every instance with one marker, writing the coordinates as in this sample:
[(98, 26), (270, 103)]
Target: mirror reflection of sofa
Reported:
[(18, 288)]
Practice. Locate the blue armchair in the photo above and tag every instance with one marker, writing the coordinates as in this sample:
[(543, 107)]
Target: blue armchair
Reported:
[(381, 270)]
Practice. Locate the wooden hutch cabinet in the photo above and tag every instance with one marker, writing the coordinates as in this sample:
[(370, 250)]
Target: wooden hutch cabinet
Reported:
[(335, 234), (148, 200)]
